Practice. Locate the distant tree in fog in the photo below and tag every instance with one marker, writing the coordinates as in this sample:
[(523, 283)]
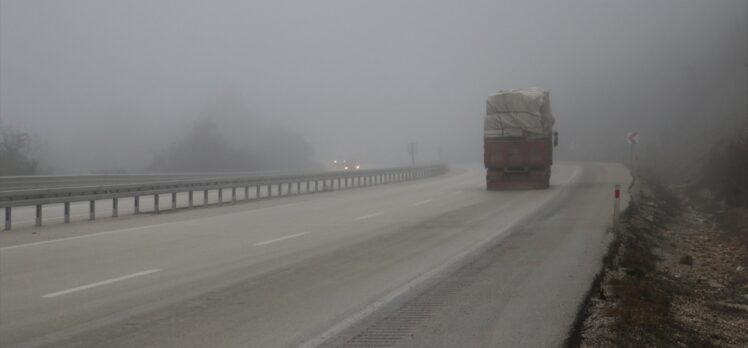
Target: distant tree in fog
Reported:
[(206, 149), (15, 148)]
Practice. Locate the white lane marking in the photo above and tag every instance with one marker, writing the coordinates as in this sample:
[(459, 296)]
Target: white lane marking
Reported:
[(83, 236), (456, 192), (422, 202), (368, 216), (97, 234), (104, 282), (281, 238)]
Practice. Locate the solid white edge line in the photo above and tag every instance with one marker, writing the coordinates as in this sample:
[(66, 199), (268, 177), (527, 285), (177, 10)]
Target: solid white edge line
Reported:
[(281, 238), (368, 216), (422, 202), (104, 282)]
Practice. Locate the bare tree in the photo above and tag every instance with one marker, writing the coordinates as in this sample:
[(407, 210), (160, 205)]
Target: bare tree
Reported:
[(15, 149)]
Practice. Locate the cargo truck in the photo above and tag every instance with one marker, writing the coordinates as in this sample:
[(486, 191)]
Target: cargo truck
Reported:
[(518, 140)]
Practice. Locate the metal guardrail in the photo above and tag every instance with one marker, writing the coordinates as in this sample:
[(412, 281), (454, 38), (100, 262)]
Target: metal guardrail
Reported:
[(48, 181), (315, 182)]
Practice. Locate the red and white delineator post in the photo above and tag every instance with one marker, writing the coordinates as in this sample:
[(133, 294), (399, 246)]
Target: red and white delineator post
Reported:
[(616, 204)]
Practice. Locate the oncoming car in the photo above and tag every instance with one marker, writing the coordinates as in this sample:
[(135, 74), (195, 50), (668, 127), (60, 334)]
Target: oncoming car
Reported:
[(346, 164)]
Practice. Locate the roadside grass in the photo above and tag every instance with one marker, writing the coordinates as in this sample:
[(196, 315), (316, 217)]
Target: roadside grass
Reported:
[(675, 273)]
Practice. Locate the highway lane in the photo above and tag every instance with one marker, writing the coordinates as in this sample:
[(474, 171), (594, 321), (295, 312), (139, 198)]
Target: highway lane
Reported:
[(521, 292), (268, 273)]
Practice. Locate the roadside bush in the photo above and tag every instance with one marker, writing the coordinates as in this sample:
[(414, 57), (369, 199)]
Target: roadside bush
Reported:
[(726, 171)]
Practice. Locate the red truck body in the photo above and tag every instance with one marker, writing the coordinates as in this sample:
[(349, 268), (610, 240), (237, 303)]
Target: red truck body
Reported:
[(518, 163), (518, 139)]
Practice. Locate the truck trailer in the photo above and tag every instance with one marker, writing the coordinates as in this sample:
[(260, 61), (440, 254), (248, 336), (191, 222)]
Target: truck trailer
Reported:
[(518, 140)]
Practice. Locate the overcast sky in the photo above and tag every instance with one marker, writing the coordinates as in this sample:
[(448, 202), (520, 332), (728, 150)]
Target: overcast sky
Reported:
[(110, 83)]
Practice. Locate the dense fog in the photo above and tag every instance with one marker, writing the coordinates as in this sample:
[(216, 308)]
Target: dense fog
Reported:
[(133, 86)]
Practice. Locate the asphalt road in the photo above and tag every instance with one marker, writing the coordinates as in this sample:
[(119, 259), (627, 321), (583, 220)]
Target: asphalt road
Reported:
[(323, 269)]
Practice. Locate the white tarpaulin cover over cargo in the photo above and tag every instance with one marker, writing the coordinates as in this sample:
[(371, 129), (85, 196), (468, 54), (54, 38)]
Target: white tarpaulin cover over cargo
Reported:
[(518, 112)]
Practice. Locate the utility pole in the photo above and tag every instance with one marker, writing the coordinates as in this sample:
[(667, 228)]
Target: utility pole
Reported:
[(412, 150)]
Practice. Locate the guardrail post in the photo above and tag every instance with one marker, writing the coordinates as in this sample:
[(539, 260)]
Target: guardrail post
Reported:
[(270, 190), (7, 218), (233, 195), (173, 201), (155, 204), (220, 195), (136, 204), (307, 186), (316, 185), (246, 193), (205, 198), (66, 212), (190, 199), (114, 207), (257, 192), (298, 187), (38, 215), (92, 210)]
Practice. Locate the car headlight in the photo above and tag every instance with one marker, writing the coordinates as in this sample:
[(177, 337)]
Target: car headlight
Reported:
[(345, 168)]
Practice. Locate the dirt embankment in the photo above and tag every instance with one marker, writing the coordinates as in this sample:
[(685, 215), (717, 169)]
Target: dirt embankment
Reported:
[(675, 276)]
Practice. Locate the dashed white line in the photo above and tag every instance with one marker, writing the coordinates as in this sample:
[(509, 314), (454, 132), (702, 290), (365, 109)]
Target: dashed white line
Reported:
[(281, 238), (104, 282), (368, 216), (422, 202), (97, 234)]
